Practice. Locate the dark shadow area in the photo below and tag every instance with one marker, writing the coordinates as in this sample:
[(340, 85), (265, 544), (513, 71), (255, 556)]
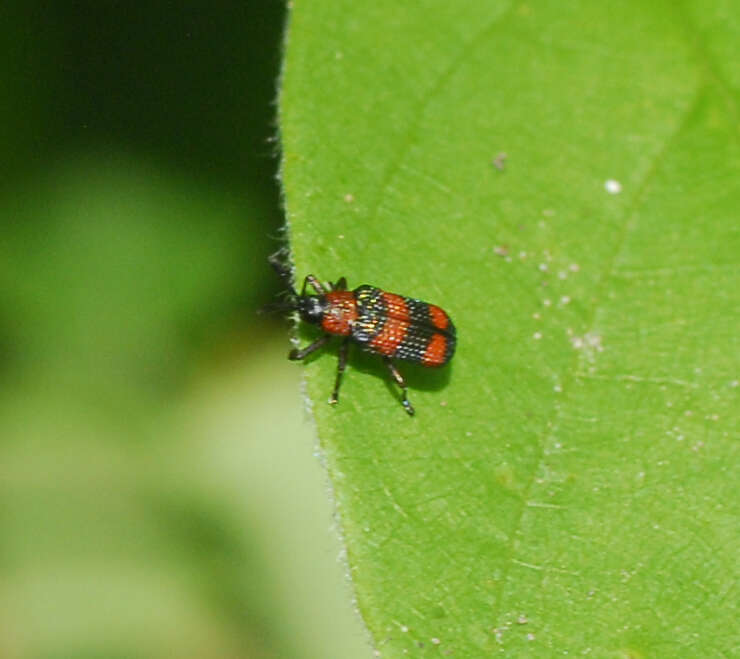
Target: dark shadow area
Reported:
[(191, 87), (181, 99), (192, 82)]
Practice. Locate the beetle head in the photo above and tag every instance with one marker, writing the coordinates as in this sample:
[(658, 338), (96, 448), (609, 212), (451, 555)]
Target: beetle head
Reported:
[(310, 308)]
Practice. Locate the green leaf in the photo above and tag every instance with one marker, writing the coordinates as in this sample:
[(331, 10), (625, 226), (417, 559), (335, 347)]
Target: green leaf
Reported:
[(569, 484)]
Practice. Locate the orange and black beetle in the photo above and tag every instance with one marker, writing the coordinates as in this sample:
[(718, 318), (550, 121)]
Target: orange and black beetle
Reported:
[(386, 324)]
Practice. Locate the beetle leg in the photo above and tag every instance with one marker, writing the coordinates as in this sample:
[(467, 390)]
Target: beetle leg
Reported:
[(296, 354), (341, 365), (396, 375), (315, 284), (341, 285)]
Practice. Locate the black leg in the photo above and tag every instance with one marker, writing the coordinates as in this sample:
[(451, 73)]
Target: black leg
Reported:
[(396, 375), (300, 354), (315, 284), (341, 285), (341, 365)]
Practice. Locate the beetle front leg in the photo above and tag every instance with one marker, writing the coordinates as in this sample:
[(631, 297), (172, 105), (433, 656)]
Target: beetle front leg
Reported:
[(341, 365), (297, 355), (315, 284), (396, 375)]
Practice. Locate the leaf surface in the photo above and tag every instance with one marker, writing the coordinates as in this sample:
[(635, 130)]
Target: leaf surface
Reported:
[(562, 178)]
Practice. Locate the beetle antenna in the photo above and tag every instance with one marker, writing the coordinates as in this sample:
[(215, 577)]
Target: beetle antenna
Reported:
[(278, 307), (278, 263)]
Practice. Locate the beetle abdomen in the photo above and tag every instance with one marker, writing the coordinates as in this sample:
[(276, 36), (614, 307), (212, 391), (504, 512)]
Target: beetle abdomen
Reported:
[(402, 327)]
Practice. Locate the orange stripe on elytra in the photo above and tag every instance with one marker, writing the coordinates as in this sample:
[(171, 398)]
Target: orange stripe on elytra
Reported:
[(390, 337), (439, 318), (395, 327), (434, 355), (396, 307)]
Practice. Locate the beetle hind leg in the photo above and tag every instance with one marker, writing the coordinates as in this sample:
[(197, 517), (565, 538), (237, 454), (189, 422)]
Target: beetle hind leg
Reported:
[(398, 378), (341, 365)]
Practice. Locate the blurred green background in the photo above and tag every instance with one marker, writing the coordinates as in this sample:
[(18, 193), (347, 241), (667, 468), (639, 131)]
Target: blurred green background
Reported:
[(159, 492)]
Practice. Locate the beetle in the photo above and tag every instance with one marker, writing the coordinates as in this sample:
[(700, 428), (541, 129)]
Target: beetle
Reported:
[(392, 326)]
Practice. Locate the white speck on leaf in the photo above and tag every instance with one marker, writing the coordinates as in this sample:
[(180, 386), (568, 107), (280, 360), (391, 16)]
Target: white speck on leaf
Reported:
[(499, 162), (590, 343)]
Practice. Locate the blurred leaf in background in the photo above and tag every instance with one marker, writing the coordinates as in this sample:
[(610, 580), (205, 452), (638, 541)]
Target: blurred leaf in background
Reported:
[(157, 497)]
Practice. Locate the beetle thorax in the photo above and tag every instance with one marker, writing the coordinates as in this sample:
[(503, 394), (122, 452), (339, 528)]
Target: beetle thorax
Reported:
[(340, 313)]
